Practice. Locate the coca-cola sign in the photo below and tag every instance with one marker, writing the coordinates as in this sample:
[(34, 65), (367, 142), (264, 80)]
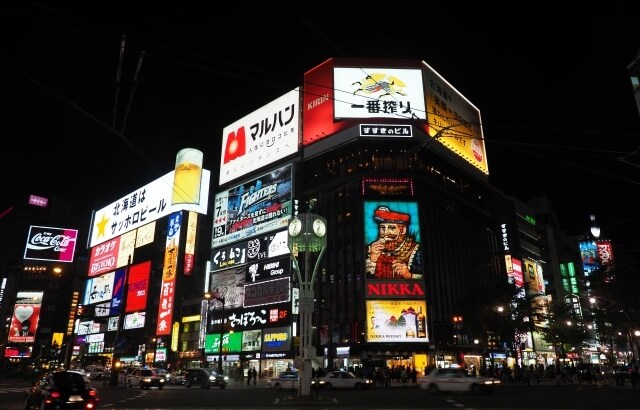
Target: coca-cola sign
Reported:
[(51, 244)]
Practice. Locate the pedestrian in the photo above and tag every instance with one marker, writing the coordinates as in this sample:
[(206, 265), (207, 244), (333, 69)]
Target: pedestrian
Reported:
[(254, 375), (249, 375), (558, 370), (534, 373)]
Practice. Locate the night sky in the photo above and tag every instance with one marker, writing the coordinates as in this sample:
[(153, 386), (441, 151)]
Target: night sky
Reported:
[(559, 116)]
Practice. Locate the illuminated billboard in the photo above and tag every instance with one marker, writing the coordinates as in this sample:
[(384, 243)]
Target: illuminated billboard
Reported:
[(276, 339), (377, 92), (22, 351), (397, 321), (228, 284), (605, 252), (26, 314), (99, 289), (589, 256), (266, 135), (254, 317), (267, 292), (269, 269), (112, 254), (392, 240), (518, 276), (147, 204), (169, 272), (255, 249), (533, 278), (50, 244), (138, 282), (134, 320), (454, 120), (252, 340), (261, 205), (231, 342)]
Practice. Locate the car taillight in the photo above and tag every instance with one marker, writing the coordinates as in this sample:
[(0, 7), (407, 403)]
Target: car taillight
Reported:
[(55, 394), (93, 393), (89, 406)]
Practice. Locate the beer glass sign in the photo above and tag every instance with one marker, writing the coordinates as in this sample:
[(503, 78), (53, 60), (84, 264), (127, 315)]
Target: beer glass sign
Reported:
[(186, 181)]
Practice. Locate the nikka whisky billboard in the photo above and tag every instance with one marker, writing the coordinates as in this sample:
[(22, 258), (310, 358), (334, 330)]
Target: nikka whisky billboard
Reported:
[(397, 321)]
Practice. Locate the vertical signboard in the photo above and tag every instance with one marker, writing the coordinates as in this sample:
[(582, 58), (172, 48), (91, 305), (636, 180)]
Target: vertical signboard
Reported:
[(167, 290), (138, 283), (190, 245), (26, 314)]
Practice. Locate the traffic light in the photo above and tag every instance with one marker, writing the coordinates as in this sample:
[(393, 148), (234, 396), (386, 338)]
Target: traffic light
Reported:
[(457, 322)]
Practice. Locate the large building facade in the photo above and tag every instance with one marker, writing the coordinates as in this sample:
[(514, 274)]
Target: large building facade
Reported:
[(393, 158)]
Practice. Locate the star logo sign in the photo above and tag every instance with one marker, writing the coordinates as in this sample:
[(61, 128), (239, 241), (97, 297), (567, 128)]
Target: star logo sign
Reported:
[(102, 225)]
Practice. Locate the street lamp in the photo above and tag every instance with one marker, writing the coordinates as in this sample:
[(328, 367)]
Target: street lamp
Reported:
[(307, 233), (594, 227), (209, 297), (493, 335)]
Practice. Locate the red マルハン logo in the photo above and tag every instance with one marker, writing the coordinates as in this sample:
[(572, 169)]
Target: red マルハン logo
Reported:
[(236, 145)]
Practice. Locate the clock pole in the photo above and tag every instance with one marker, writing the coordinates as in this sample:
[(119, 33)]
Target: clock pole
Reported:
[(307, 234)]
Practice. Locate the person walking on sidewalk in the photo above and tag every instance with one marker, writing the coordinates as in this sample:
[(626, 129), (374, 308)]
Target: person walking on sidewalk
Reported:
[(249, 375), (254, 375)]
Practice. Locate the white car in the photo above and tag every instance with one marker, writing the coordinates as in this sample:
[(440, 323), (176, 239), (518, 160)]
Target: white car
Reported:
[(456, 379), (342, 379), (94, 372), (288, 379), (145, 379)]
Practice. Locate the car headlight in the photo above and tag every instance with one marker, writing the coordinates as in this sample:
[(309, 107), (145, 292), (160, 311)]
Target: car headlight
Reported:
[(146, 379), (226, 378), (212, 378)]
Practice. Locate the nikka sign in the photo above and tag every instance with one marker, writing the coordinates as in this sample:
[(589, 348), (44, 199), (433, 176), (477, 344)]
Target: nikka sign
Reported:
[(395, 289)]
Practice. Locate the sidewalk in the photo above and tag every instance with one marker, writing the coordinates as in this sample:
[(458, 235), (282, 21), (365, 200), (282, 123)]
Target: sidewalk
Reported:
[(260, 384)]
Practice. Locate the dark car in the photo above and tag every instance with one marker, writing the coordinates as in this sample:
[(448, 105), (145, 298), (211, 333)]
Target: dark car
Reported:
[(62, 390), (205, 378), (621, 373)]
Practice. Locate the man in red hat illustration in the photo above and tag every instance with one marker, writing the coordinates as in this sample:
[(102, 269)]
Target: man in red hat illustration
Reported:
[(395, 254)]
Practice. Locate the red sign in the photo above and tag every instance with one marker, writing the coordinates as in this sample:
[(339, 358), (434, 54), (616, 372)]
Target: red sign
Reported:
[(605, 252), (138, 284), (165, 308), (318, 99), (518, 278), (104, 257)]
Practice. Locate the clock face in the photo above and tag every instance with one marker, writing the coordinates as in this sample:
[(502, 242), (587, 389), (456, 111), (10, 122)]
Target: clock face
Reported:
[(319, 228), (295, 226)]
